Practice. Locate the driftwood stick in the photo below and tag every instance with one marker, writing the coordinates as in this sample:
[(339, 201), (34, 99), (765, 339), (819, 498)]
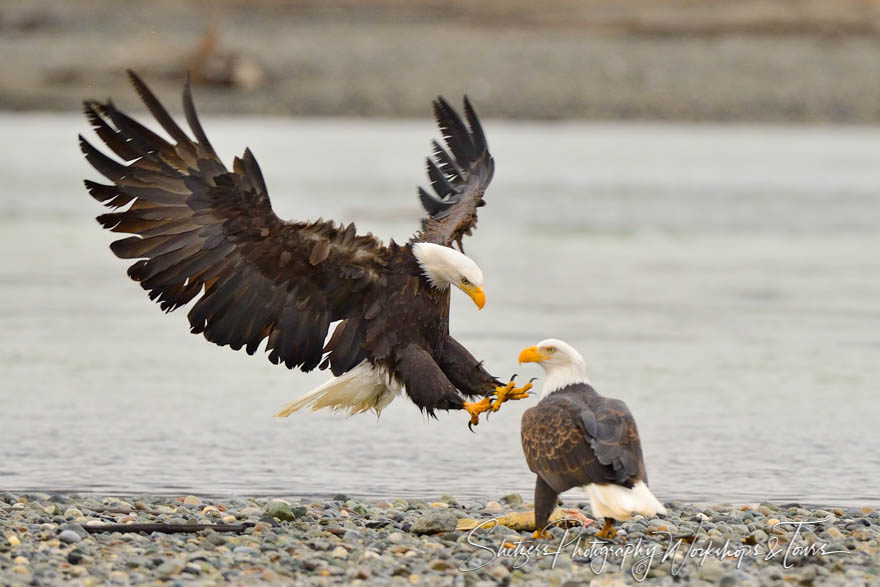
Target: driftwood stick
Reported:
[(167, 528)]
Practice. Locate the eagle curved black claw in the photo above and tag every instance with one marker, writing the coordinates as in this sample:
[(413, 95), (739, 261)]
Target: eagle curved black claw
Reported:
[(475, 409)]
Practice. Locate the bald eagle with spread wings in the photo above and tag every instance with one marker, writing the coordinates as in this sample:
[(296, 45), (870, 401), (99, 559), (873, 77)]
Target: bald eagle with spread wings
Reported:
[(575, 437), (202, 232)]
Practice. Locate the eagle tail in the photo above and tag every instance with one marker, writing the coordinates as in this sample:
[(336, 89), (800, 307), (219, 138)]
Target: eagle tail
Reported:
[(362, 388), (619, 502)]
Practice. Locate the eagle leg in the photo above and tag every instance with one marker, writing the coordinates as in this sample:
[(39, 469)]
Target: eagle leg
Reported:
[(475, 409), (507, 392), (607, 532)]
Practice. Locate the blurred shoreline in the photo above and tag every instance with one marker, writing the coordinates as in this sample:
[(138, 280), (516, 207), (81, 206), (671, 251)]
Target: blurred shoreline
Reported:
[(755, 60)]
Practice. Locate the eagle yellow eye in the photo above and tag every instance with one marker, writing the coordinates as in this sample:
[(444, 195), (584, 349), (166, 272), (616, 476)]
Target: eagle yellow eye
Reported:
[(551, 349), (464, 281)]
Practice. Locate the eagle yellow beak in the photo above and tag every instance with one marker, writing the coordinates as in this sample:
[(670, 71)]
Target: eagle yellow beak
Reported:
[(476, 293), (531, 355)]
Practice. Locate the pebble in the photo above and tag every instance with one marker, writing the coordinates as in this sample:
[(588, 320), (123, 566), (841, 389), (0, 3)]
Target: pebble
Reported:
[(434, 522), (69, 536), (280, 510), (170, 568), (512, 499), (192, 500)]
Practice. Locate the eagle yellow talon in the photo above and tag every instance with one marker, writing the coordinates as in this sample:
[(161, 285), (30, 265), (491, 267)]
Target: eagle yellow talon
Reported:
[(509, 392), (477, 408), (607, 532), (539, 534)]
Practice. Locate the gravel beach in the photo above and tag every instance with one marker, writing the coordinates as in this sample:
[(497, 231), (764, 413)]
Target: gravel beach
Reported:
[(50, 539)]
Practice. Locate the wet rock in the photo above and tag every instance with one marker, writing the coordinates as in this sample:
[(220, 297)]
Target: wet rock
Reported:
[(512, 499), (170, 568), (69, 536), (280, 510), (435, 522), (493, 507)]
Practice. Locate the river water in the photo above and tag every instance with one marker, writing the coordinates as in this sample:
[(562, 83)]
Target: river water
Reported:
[(723, 280)]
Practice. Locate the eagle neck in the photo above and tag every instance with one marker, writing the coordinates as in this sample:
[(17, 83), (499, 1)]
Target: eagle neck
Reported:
[(426, 256), (562, 376)]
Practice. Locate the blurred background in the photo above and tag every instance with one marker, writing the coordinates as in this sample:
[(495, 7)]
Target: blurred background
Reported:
[(767, 60), (686, 191)]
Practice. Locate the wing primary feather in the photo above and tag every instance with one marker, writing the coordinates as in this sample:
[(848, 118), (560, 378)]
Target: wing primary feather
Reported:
[(446, 163), (479, 138), (431, 204), (454, 132), (111, 137), (112, 170), (139, 136), (438, 180), (155, 107), (192, 119), (109, 195), (252, 168)]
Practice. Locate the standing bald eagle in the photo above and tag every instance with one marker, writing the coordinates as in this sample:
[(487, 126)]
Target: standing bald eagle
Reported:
[(576, 437), (204, 232)]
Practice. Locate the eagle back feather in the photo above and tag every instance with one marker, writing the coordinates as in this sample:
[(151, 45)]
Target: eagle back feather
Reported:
[(575, 437)]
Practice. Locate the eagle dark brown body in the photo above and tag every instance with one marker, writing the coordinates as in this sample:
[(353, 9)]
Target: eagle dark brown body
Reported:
[(207, 235), (575, 437)]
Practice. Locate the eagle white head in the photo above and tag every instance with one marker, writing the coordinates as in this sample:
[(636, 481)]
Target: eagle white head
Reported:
[(563, 365), (444, 266)]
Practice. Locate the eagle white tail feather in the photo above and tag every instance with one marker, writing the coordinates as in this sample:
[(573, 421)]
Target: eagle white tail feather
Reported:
[(358, 390), (618, 502)]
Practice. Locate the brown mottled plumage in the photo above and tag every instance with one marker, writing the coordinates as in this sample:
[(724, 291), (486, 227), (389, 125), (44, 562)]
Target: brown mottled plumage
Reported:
[(206, 234)]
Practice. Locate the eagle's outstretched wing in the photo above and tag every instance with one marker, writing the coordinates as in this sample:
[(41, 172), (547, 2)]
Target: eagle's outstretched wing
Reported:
[(459, 177), (203, 231), (568, 444)]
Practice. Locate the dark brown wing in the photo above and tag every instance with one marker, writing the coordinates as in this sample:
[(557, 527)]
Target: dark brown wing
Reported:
[(560, 449), (459, 177), (201, 229)]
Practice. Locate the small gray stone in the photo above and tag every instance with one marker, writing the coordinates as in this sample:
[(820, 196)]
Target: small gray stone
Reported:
[(280, 510), (74, 527), (216, 539), (434, 522), (69, 536), (170, 567), (732, 579), (711, 571), (440, 565), (513, 499)]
